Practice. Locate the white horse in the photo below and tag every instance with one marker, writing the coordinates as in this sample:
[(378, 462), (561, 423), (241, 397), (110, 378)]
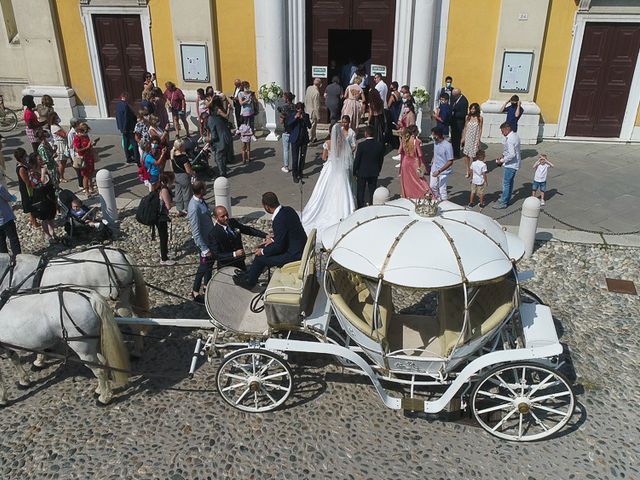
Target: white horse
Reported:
[(38, 320), (108, 271)]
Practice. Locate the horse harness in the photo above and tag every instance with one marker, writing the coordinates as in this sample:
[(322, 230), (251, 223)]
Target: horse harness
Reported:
[(36, 277)]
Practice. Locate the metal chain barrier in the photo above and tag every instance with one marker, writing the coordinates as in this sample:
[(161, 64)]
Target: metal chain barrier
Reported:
[(586, 230), (507, 214)]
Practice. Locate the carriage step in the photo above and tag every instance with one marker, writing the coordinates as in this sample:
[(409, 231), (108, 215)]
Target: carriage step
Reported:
[(412, 404)]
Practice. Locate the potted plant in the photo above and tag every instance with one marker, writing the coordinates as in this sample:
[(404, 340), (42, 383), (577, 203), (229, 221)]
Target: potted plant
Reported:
[(421, 98), (270, 93)]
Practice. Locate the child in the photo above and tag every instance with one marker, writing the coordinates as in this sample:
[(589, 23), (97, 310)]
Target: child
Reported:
[(202, 110), (62, 149), (83, 214), (541, 168), (246, 134), (479, 178), (442, 114)]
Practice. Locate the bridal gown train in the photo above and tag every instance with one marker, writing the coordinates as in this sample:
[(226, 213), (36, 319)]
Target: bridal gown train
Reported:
[(332, 198)]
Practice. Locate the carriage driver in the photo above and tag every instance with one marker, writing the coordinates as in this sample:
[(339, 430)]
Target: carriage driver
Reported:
[(225, 240)]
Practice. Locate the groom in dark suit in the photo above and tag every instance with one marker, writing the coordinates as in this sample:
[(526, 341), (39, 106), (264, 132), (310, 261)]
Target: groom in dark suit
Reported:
[(286, 246), (225, 240), (367, 166)]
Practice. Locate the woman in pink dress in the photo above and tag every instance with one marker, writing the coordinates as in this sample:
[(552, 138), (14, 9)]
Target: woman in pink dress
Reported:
[(412, 169), (353, 101)]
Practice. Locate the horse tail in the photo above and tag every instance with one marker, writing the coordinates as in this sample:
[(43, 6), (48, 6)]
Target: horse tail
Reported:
[(111, 344), (140, 303)]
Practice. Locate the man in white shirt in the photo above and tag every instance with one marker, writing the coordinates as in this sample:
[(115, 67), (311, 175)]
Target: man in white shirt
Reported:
[(312, 106), (510, 160), (381, 87), (441, 164)]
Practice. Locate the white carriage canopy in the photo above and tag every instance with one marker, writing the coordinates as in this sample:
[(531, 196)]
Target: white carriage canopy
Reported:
[(402, 246)]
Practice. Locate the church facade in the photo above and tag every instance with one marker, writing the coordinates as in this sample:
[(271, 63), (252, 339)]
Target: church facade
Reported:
[(573, 63)]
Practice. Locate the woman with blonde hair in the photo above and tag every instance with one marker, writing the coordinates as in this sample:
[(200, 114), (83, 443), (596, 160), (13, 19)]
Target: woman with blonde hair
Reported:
[(184, 173), (353, 101), (412, 169)]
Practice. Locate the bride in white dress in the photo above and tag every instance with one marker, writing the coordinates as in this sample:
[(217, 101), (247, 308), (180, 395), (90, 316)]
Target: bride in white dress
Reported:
[(332, 197)]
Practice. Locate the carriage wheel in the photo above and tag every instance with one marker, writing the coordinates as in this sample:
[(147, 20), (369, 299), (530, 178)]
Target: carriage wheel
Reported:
[(523, 401), (254, 380)]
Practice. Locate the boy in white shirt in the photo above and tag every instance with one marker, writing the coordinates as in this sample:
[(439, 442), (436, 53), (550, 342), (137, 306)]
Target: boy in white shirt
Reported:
[(541, 168), (479, 179)]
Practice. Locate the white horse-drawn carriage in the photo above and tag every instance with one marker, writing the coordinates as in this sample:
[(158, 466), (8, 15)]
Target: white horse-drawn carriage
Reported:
[(424, 299)]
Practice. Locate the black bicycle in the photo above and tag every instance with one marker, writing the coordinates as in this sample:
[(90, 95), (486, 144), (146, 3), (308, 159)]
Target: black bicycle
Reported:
[(8, 117)]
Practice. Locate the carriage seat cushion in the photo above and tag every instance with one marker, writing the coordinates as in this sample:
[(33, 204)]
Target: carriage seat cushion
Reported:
[(287, 282), (353, 299), (284, 287)]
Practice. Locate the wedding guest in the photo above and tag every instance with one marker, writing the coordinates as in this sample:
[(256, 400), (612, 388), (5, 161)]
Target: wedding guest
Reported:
[(459, 110), (332, 98), (8, 223), (285, 111), (312, 105), (298, 123), (126, 122), (84, 149), (184, 174), (412, 170), (24, 185), (201, 225), (353, 102), (32, 124), (366, 167), (178, 106), (441, 165), (471, 136)]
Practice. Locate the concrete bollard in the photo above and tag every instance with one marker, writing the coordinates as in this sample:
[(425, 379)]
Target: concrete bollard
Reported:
[(529, 224), (222, 192), (104, 180), (381, 195)]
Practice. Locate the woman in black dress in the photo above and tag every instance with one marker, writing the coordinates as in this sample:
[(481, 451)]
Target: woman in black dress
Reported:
[(26, 192), (43, 205)]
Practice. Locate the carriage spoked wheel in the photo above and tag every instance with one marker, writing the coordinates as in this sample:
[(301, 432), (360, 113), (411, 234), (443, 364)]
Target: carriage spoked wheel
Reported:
[(254, 380), (523, 401)]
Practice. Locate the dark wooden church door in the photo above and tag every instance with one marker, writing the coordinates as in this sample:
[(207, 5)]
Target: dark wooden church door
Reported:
[(122, 59), (603, 79)]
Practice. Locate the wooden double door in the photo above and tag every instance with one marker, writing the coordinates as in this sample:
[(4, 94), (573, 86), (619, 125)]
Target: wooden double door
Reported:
[(342, 30), (122, 59), (603, 79)]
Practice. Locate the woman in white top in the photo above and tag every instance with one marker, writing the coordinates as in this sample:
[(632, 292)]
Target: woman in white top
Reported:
[(332, 197)]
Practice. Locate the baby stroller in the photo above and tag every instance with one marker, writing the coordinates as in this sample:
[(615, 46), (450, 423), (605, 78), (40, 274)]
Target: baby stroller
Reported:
[(199, 157), (78, 226)]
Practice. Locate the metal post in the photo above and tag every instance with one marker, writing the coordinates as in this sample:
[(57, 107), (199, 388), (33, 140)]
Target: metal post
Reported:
[(529, 224), (104, 180), (381, 195), (222, 192)]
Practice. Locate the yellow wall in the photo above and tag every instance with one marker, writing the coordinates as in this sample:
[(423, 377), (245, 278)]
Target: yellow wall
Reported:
[(164, 57), (236, 33), (555, 59), (76, 51), (638, 118), (471, 43)]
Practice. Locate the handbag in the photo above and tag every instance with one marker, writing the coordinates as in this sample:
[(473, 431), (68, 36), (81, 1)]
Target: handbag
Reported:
[(78, 162)]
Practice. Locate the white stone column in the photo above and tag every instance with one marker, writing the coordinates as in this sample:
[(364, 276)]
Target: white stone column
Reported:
[(271, 52), (421, 64), (271, 42), (297, 48), (402, 41)]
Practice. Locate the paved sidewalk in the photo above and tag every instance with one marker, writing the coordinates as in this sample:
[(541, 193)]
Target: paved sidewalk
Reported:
[(593, 186)]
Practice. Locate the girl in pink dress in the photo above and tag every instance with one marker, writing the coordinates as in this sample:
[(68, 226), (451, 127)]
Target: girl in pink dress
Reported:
[(412, 169)]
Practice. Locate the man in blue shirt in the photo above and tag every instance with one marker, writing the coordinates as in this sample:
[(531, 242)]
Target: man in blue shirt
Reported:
[(514, 111)]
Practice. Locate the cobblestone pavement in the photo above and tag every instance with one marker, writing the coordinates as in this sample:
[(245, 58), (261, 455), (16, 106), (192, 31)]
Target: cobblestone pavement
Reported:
[(334, 426)]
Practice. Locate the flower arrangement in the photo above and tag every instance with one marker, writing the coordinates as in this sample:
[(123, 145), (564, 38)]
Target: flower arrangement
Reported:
[(420, 96), (270, 92)]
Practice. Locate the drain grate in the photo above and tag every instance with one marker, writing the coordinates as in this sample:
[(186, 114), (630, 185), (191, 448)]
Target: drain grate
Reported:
[(616, 285)]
